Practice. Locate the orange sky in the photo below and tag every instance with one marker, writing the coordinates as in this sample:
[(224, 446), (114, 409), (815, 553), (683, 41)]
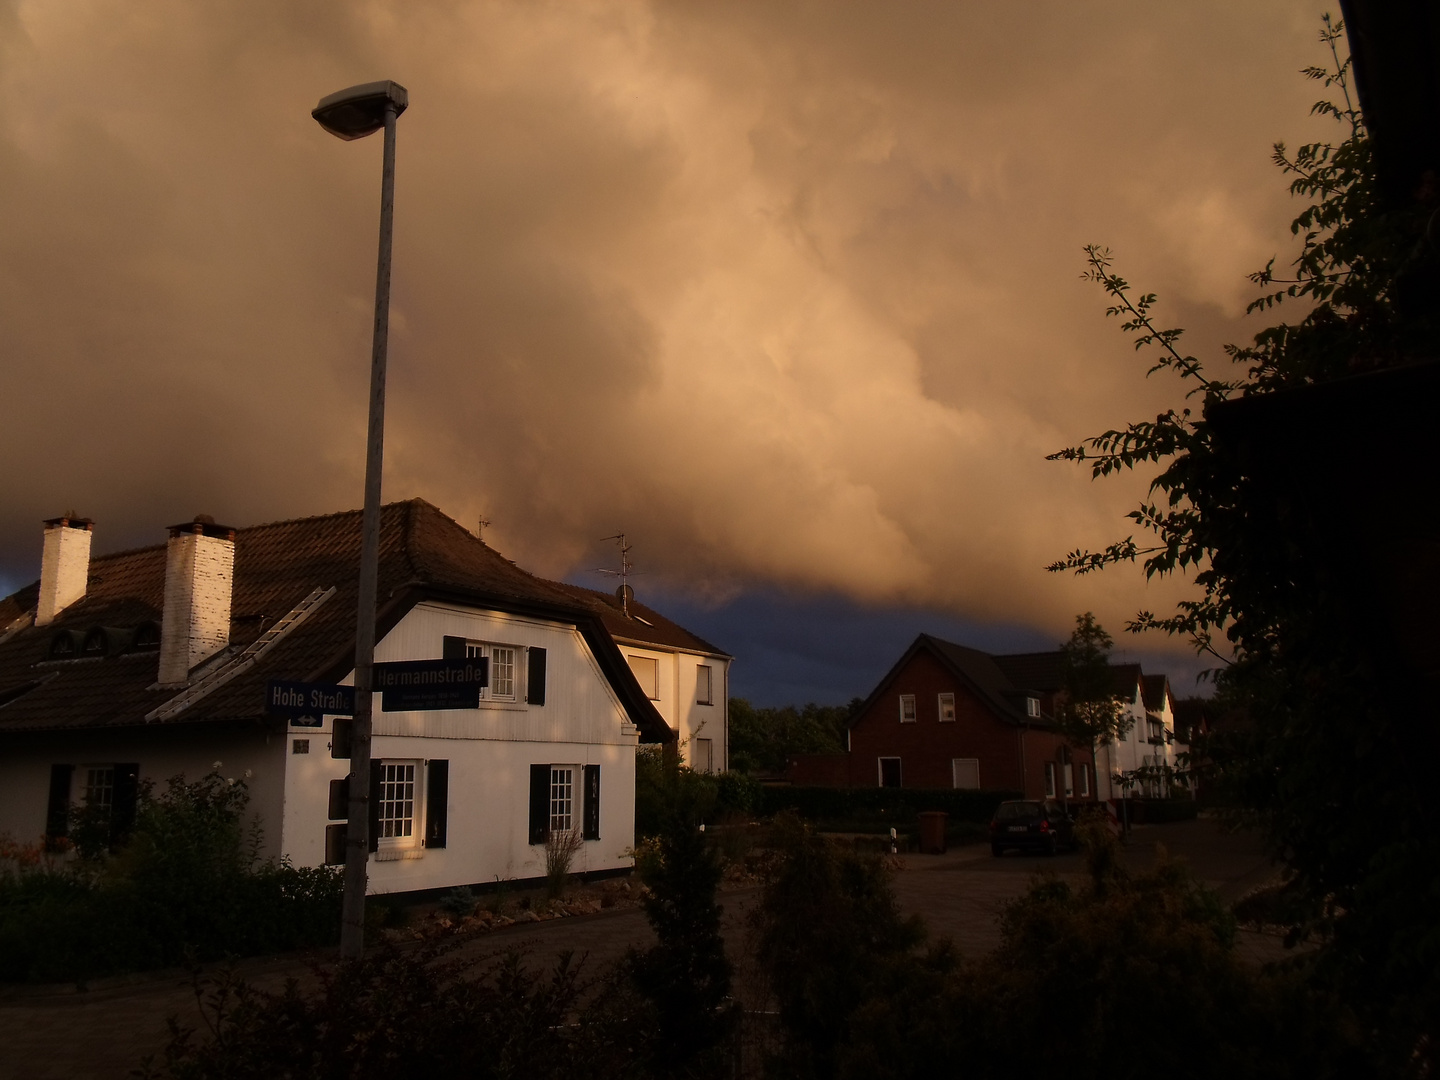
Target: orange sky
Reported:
[(789, 292)]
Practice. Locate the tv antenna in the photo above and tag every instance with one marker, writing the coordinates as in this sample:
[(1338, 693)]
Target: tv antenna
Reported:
[(624, 593), (480, 527)]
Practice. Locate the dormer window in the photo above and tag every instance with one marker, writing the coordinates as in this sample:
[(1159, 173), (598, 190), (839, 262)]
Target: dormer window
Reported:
[(65, 645), (1032, 706), (95, 643), (147, 636)]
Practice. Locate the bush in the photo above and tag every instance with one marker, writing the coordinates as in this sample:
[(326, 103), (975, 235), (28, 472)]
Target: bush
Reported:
[(881, 808), (418, 1013), (186, 886)]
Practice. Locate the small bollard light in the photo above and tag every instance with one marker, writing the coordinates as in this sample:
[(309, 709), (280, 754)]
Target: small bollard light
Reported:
[(702, 826)]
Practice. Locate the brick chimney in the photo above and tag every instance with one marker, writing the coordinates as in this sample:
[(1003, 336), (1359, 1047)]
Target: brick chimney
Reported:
[(64, 566), (199, 570)]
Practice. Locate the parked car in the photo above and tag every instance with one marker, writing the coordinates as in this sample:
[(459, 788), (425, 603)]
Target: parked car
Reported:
[(1031, 825)]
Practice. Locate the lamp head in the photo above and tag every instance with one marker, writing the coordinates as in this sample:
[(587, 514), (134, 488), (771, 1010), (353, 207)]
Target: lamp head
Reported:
[(358, 111)]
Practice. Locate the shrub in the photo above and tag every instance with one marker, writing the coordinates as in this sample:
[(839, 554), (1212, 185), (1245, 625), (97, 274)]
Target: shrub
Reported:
[(417, 1013), (881, 808), (187, 885), (560, 849)]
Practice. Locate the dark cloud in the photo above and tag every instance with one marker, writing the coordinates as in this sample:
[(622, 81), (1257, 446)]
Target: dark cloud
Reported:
[(788, 292)]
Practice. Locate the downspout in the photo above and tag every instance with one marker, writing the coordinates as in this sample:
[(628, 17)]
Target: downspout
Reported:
[(1024, 791)]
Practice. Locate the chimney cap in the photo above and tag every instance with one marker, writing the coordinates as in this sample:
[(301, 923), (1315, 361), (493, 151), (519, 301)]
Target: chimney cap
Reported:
[(203, 525), (69, 521)]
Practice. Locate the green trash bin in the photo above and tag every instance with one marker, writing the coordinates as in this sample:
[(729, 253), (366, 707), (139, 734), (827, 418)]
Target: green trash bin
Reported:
[(932, 831)]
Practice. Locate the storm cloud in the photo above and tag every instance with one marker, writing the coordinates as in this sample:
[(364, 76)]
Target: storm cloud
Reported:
[(788, 292)]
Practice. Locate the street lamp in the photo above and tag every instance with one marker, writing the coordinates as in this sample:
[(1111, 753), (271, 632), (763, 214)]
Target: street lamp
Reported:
[(353, 114)]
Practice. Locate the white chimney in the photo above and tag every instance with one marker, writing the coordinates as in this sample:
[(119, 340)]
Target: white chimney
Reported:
[(199, 570), (64, 566)]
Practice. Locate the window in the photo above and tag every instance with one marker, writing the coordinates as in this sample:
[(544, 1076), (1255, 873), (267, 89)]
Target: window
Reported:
[(1069, 780), (647, 674), (99, 791), (105, 793), (907, 709), (704, 685), (395, 815), (889, 772), (1032, 706), (1049, 779), (947, 710), (502, 669), (704, 755), (965, 773), (564, 798), (1084, 779)]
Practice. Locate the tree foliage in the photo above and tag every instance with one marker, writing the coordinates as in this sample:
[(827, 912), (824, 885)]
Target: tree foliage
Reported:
[(1091, 713), (763, 738), (1316, 749)]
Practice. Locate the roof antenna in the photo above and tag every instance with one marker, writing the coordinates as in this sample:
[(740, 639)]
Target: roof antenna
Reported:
[(480, 527), (625, 593)]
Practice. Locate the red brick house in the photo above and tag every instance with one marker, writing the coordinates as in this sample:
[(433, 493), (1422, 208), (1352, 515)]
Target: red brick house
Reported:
[(948, 716)]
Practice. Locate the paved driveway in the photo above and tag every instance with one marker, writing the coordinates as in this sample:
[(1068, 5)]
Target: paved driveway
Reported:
[(58, 1034)]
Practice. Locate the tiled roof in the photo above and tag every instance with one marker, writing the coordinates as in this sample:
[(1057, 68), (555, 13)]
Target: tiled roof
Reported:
[(1155, 689), (423, 553), (1005, 680), (650, 627), (1033, 671)]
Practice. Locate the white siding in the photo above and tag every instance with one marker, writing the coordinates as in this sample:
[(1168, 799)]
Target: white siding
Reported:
[(490, 751)]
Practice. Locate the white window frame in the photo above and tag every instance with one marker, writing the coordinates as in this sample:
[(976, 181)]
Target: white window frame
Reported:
[(476, 649), (90, 780), (405, 830), (707, 763), (653, 690), (941, 703), (1068, 771), (880, 770), (907, 705), (1049, 779), (1032, 707), (704, 684), (955, 773), (1084, 780), (564, 793)]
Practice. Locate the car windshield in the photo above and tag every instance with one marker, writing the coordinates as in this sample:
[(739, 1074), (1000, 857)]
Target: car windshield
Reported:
[(1017, 811)]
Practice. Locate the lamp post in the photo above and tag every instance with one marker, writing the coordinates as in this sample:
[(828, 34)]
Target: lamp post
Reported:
[(353, 114)]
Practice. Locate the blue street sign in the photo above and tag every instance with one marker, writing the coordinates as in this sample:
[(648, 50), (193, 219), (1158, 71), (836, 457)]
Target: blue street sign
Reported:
[(312, 700), (426, 685)]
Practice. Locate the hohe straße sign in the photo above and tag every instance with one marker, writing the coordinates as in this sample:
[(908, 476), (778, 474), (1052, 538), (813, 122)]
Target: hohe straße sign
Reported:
[(309, 700), (425, 685)]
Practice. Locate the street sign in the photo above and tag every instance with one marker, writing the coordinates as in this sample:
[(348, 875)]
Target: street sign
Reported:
[(427, 685), (305, 703)]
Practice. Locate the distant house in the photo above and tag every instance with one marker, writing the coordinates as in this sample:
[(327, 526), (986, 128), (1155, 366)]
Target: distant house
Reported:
[(686, 678), (948, 716), (136, 666)]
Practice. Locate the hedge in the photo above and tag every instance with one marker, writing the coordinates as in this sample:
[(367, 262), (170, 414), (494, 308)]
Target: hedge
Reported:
[(897, 805)]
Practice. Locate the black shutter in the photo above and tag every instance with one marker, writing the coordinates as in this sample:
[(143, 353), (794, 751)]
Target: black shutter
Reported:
[(437, 801), (335, 845), (591, 816), (340, 738), (340, 799), (122, 804), (539, 803), (376, 771), (57, 809), (454, 648), (535, 683)]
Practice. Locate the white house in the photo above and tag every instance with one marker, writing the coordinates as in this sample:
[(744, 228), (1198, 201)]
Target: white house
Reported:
[(137, 666), (685, 677)]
